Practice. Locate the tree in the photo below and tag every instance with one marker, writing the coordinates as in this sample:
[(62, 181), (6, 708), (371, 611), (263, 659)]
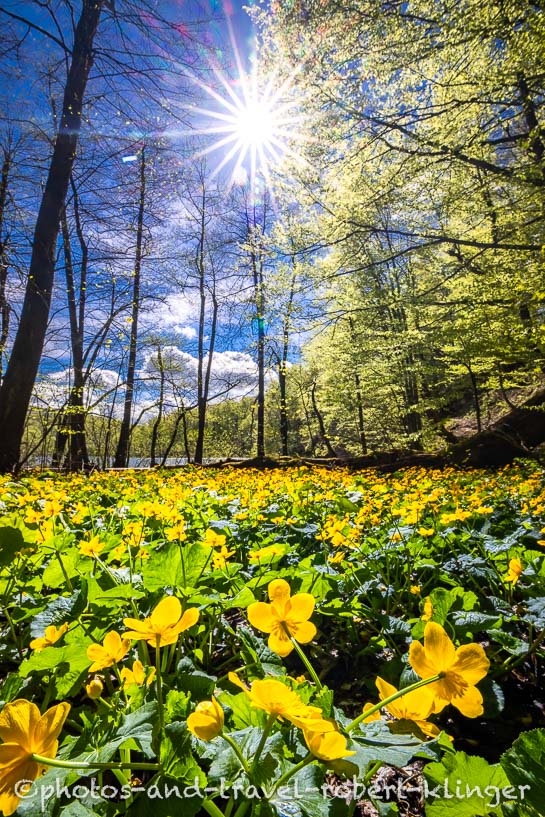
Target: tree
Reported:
[(16, 389)]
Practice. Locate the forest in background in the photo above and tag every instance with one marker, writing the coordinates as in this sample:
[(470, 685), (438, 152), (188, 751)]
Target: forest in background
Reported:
[(384, 275)]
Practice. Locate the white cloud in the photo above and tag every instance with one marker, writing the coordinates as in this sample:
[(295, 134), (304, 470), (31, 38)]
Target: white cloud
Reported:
[(188, 332)]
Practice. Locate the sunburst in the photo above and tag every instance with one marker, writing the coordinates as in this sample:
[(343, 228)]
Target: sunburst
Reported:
[(255, 123)]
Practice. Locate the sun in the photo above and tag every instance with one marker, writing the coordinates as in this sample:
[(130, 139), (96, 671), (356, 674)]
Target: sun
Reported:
[(254, 122)]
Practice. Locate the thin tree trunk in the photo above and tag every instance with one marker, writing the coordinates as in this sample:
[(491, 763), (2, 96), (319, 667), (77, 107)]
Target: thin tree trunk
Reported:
[(157, 423), (16, 390), (323, 433), (282, 369), (203, 375), (122, 452), (4, 305), (173, 436)]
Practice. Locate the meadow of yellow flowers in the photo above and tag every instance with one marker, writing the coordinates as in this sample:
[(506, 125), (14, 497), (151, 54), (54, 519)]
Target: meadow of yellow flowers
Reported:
[(267, 643)]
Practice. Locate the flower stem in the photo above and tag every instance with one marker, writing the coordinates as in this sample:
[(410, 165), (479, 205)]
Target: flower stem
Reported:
[(304, 659), (285, 777), (271, 719), (158, 683), (85, 764), (211, 808), (399, 694), (237, 752)]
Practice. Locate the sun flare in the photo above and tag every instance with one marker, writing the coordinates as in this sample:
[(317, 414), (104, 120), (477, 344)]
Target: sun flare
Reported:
[(255, 124)]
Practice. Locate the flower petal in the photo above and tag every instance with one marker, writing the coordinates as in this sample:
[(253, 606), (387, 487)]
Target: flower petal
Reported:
[(470, 702), (167, 613), (440, 650), (303, 632), (189, 618), (301, 606), (18, 721), (260, 616), (280, 643), (49, 728), (279, 591), (471, 663), (419, 660)]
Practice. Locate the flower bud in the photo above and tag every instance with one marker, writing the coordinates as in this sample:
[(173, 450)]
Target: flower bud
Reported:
[(94, 688), (206, 722)]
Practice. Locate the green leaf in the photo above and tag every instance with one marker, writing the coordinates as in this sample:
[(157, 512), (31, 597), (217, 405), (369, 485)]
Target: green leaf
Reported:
[(11, 542), (524, 764), (64, 608), (477, 783), (192, 680)]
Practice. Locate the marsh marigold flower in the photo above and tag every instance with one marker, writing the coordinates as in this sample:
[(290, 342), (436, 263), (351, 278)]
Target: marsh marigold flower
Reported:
[(206, 722), (515, 569), (51, 636), (92, 547), (112, 650), (414, 706), (94, 688), (285, 616), (137, 675), (326, 744), (460, 669), (26, 732), (164, 625)]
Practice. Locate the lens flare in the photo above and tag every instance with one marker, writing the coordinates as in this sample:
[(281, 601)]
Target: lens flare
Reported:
[(255, 122)]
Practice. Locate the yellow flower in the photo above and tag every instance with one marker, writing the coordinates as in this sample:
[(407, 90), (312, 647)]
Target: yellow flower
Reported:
[(414, 706), (428, 609), (376, 716), (25, 732), (541, 542), (213, 539), (206, 722), (92, 547), (426, 531), (137, 675), (113, 650), (460, 669), (176, 532), (219, 558), (284, 614), (415, 589), (337, 558), (164, 625), (51, 636), (328, 744), (94, 688), (276, 698), (515, 569)]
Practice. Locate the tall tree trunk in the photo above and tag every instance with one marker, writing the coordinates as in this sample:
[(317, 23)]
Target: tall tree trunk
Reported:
[(323, 433), (203, 375), (170, 445), (16, 390), (157, 423), (122, 453), (4, 305), (283, 368), (71, 431), (358, 394)]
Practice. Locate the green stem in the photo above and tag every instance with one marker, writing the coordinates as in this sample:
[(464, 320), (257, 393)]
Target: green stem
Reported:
[(158, 683), (64, 573), (84, 764), (242, 809), (211, 808), (304, 659), (237, 752), (424, 682), (270, 720), (285, 777)]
